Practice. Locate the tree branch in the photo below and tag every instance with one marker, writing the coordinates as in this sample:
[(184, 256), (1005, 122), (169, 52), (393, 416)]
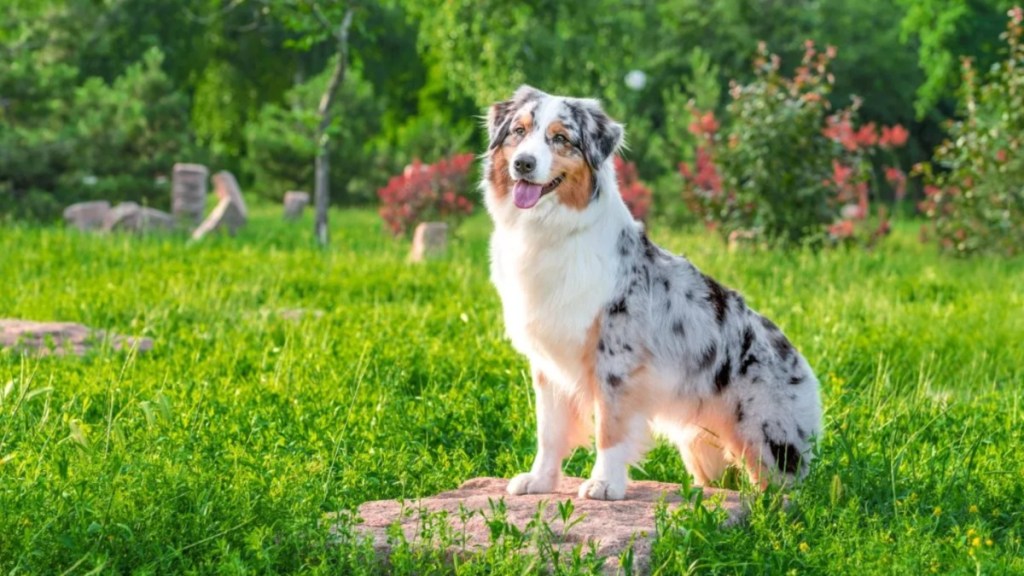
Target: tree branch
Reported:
[(337, 76)]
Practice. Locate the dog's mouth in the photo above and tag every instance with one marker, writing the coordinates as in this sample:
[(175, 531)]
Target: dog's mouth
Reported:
[(526, 194)]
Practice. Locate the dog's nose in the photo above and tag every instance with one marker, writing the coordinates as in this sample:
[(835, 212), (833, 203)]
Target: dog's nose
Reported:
[(524, 164)]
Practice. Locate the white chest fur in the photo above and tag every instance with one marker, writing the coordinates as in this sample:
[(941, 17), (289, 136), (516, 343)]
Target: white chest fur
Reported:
[(551, 293)]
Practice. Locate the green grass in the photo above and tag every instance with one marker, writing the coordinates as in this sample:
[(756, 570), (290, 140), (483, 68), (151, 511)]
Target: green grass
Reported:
[(221, 450)]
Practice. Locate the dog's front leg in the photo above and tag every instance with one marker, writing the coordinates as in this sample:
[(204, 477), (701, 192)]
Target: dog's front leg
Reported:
[(558, 431), (622, 433)]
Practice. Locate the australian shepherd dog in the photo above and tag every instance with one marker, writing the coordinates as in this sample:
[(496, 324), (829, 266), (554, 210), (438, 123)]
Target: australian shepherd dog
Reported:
[(623, 337)]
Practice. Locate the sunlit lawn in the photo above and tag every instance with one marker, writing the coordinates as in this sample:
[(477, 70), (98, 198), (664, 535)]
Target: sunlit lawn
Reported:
[(222, 449)]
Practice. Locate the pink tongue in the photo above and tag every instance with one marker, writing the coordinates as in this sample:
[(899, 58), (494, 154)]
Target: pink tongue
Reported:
[(526, 194)]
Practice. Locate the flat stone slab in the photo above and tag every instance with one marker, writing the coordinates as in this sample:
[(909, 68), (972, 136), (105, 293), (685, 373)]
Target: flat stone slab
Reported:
[(61, 338), (611, 526)]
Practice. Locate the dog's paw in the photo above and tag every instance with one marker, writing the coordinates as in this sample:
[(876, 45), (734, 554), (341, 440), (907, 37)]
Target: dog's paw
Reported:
[(602, 490), (530, 483)]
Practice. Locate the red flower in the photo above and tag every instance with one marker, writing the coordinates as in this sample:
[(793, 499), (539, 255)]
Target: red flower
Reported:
[(704, 176), (840, 174), (898, 180), (1001, 156), (894, 136), (867, 136), (842, 229), (635, 194), (838, 129), (704, 125)]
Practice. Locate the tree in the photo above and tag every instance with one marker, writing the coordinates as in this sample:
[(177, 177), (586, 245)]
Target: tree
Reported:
[(313, 22)]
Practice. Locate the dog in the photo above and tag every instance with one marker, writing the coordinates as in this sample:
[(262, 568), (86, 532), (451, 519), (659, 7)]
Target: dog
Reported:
[(623, 337)]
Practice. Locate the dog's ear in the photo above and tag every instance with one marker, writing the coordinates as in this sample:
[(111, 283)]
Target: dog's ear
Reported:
[(499, 115), (498, 118), (600, 135)]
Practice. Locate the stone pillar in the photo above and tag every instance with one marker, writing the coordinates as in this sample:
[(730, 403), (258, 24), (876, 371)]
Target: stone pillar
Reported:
[(429, 241), (188, 193), (294, 204)]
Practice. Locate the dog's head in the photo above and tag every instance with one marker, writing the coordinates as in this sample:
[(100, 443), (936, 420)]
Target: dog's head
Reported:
[(549, 150)]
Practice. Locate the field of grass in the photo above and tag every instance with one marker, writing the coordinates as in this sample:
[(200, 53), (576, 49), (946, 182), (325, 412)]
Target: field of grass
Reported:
[(221, 450)]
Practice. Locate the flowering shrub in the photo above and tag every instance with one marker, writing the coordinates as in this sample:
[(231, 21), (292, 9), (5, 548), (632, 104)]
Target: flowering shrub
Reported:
[(785, 168), (635, 193), (428, 192), (976, 203)]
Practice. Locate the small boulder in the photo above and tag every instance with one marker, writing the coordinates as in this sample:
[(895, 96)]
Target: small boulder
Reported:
[(226, 187), (60, 338), (130, 217), (87, 215), (230, 214), (295, 203), (611, 526), (430, 240)]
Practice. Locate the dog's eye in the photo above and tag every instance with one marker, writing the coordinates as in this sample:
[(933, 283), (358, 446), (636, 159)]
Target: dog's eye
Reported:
[(519, 131), (560, 139)]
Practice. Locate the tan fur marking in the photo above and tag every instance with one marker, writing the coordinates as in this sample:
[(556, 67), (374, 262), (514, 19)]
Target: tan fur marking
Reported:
[(579, 180), (525, 120), (501, 182)]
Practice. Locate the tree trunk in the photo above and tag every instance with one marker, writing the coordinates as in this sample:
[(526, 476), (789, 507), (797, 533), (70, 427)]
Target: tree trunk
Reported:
[(321, 192)]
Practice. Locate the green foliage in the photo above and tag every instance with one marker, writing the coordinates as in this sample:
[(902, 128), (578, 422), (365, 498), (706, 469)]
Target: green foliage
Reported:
[(102, 140), (281, 144), (975, 199), (946, 30), (222, 449)]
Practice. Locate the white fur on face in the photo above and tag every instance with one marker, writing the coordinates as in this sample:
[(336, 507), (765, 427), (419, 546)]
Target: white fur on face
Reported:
[(536, 144)]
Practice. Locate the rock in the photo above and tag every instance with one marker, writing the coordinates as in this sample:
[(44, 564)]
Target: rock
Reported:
[(225, 216), (130, 217), (609, 525), (226, 188), (188, 193), (429, 240), (230, 213), (87, 215), (294, 204), (740, 238), (60, 338)]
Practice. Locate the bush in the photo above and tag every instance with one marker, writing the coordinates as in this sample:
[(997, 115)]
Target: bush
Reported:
[(976, 201), (634, 192), (784, 169), (428, 192)]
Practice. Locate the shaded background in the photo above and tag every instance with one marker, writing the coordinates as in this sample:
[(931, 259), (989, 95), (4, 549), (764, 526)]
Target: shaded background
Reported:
[(98, 98)]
